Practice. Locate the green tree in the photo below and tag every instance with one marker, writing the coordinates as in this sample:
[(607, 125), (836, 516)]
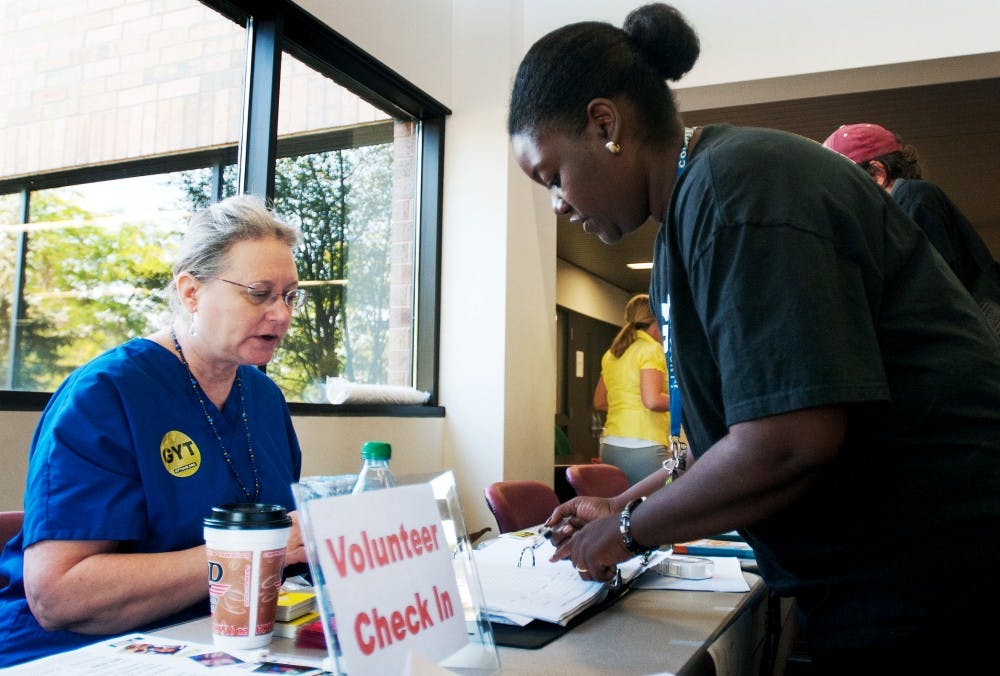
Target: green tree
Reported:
[(342, 201), (311, 190), (91, 282), (8, 250), (370, 235)]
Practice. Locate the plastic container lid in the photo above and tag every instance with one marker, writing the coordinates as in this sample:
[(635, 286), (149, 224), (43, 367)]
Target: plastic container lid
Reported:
[(376, 450), (248, 515)]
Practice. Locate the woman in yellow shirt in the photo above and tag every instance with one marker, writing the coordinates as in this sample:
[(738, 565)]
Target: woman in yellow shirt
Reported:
[(633, 391)]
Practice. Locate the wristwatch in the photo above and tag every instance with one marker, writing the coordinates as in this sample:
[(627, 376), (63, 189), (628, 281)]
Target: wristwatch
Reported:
[(625, 528)]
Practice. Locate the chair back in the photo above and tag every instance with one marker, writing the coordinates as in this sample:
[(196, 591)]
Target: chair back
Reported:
[(10, 525), (597, 479), (520, 504)]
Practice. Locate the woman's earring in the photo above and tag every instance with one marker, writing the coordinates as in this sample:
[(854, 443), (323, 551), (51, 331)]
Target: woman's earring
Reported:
[(613, 147), (192, 331)]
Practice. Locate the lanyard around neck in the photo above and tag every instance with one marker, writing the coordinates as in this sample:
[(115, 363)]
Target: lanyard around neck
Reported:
[(683, 157), (676, 411)]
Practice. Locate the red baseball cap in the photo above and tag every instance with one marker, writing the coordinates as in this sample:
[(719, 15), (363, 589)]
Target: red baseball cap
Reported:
[(862, 142)]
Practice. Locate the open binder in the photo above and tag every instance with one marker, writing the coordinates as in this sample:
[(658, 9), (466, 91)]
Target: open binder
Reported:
[(538, 633), (478, 655), (534, 600)]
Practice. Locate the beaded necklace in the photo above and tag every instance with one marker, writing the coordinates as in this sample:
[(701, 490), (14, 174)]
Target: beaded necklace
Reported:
[(211, 423)]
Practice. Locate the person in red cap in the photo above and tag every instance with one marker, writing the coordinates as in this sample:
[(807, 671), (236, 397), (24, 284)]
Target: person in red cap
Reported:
[(877, 150), (896, 168)]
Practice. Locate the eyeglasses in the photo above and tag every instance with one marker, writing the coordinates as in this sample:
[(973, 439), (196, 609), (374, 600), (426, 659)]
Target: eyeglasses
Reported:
[(530, 551), (259, 294)]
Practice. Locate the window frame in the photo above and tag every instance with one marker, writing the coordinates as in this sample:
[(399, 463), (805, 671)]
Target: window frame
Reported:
[(274, 26)]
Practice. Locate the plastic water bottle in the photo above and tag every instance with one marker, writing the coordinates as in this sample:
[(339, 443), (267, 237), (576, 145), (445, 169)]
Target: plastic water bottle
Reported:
[(375, 472)]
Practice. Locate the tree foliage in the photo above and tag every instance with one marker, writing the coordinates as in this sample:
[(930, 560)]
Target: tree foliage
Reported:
[(341, 200), (96, 280), (91, 282)]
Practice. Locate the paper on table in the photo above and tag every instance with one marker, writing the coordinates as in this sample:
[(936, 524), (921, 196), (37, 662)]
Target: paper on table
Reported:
[(727, 577), (151, 654)]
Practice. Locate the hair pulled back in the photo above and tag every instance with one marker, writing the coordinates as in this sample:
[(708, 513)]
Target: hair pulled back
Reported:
[(570, 66), (903, 163), (638, 315), (213, 231)]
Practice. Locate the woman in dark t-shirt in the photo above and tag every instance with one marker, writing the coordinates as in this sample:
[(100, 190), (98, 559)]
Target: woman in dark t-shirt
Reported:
[(840, 389)]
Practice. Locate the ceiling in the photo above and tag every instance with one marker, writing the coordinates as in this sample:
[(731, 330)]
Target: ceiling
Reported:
[(955, 128)]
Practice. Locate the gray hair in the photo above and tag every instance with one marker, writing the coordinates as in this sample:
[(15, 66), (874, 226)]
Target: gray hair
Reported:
[(213, 231)]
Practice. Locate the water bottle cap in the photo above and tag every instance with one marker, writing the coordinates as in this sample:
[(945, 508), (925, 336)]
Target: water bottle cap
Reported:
[(376, 450)]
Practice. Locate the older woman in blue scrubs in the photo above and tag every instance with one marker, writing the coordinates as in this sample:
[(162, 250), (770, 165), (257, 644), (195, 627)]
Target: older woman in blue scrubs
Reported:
[(135, 447)]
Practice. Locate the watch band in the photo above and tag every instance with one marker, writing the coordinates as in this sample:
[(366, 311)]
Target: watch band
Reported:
[(625, 528)]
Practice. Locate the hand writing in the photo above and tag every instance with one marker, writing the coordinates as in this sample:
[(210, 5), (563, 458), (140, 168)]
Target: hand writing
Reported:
[(596, 549), (571, 516)]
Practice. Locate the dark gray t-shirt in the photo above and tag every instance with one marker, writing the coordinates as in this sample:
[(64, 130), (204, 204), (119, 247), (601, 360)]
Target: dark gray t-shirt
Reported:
[(956, 240), (796, 282)]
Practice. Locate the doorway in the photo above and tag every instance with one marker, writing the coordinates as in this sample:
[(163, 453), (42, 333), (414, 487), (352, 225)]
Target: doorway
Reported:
[(581, 342)]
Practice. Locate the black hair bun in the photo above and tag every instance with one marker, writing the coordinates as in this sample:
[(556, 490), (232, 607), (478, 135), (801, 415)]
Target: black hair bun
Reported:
[(664, 39)]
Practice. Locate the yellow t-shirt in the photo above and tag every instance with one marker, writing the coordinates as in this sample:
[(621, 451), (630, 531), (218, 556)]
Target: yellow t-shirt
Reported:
[(627, 417)]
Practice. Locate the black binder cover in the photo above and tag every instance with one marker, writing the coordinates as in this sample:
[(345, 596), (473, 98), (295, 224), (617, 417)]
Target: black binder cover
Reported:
[(538, 633)]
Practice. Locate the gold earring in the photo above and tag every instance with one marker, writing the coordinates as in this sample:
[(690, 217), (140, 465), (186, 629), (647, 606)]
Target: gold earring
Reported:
[(613, 147)]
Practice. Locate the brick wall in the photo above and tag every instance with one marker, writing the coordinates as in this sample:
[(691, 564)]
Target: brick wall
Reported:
[(402, 254), (90, 82)]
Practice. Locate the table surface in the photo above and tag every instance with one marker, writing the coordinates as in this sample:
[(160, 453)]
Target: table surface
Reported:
[(647, 631)]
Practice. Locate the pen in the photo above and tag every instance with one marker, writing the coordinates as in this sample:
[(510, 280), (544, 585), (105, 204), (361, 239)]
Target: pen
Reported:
[(547, 531)]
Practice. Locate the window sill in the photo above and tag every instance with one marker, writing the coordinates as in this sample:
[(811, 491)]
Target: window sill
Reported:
[(36, 401), (367, 410)]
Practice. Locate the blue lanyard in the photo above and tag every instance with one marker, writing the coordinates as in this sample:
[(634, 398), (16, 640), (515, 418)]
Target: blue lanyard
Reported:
[(682, 159), (676, 410)]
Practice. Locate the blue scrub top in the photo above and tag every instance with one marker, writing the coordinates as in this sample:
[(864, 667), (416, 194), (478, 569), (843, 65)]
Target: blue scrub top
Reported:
[(124, 452)]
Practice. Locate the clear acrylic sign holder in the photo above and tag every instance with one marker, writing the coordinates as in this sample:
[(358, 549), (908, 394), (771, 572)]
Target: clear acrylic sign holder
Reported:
[(479, 656)]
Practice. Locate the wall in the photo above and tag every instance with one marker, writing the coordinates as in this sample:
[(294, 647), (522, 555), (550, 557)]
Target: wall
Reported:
[(333, 445), (108, 74), (17, 428), (746, 41), (582, 292), (329, 446)]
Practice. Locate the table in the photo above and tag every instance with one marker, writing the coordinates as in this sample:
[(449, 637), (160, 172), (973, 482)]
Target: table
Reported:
[(653, 631), (647, 631)]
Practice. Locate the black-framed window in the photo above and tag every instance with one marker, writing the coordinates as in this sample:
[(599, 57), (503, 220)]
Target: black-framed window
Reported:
[(225, 97)]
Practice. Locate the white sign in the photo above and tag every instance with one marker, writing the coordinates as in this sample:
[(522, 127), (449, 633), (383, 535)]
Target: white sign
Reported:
[(390, 577)]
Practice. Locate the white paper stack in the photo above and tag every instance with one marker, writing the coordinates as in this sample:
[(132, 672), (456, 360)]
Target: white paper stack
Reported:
[(342, 391)]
